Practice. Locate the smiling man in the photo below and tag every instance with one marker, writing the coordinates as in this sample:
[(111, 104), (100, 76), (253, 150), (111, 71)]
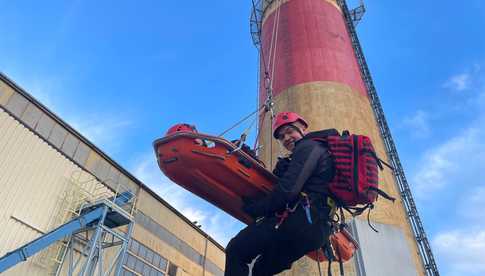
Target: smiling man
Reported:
[(293, 219)]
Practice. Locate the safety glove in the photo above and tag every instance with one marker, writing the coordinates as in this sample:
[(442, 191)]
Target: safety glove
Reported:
[(252, 208), (281, 166)]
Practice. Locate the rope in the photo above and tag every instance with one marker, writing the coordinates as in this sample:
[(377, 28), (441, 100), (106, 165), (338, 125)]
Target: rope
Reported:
[(258, 132), (258, 72), (241, 121), (268, 78), (271, 143), (246, 131), (244, 136), (272, 50), (275, 28), (318, 262)]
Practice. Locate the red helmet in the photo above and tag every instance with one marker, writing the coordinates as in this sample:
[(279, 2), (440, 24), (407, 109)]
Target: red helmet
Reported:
[(181, 128), (284, 118)]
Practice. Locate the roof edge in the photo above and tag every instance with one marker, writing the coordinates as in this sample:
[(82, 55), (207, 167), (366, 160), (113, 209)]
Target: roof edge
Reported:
[(78, 135)]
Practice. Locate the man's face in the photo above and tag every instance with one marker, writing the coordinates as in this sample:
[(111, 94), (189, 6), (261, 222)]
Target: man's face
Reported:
[(288, 135)]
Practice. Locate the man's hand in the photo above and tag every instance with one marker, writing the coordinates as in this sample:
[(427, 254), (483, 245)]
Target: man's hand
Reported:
[(281, 166), (251, 207)]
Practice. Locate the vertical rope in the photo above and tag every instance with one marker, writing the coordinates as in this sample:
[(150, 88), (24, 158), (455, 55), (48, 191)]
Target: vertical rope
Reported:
[(318, 262), (273, 35), (276, 27), (261, 121), (272, 56), (258, 103), (269, 76), (270, 132)]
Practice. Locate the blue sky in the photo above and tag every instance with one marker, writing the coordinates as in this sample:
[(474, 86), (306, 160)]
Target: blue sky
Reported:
[(122, 73)]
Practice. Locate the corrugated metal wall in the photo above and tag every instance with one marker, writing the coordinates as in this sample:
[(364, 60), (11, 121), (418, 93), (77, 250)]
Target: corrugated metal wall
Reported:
[(39, 153), (33, 176)]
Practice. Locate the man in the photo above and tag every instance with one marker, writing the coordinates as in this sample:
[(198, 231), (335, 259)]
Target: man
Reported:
[(295, 214)]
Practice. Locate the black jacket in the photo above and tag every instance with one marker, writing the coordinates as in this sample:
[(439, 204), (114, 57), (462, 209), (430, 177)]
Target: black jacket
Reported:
[(310, 168)]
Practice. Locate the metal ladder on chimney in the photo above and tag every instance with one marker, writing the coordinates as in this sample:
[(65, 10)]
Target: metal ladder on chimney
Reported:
[(419, 234)]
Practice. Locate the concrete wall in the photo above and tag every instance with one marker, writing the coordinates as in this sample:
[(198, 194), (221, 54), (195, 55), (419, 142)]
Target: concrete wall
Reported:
[(39, 154)]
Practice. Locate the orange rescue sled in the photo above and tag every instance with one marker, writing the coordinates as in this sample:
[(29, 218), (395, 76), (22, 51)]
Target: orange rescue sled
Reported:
[(217, 171), (213, 168)]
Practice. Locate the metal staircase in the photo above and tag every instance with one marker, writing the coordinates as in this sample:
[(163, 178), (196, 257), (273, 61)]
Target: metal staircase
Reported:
[(80, 189), (93, 240)]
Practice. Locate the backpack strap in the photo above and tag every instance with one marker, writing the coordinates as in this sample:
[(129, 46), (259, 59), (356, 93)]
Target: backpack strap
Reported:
[(368, 220), (380, 161), (355, 211), (382, 193)]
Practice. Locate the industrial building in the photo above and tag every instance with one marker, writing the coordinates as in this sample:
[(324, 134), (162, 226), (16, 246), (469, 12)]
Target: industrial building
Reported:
[(48, 170)]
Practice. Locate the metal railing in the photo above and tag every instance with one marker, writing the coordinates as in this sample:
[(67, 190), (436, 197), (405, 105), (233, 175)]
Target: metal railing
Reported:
[(82, 190)]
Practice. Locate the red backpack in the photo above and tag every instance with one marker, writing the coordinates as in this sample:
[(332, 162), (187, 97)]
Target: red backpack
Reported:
[(355, 186)]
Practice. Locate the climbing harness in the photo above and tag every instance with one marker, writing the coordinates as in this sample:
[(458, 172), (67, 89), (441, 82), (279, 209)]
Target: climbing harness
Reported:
[(284, 215), (305, 203), (306, 207)]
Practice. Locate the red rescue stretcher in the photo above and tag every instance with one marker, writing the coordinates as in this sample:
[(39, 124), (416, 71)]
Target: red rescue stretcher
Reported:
[(214, 169), (221, 173)]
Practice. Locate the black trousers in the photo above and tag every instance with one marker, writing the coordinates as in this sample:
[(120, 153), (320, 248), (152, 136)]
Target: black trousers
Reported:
[(277, 248)]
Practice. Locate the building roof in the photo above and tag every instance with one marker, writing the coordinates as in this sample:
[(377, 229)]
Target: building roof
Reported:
[(93, 147)]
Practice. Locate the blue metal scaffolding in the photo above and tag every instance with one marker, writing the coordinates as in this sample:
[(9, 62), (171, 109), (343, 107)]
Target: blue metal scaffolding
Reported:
[(87, 236)]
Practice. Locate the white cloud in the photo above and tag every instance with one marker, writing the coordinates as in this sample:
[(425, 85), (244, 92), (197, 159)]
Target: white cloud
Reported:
[(194, 215), (222, 227), (450, 181), (475, 201), (41, 88), (461, 251), (146, 169), (456, 161), (418, 124), (103, 130), (480, 101), (458, 82), (476, 68)]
